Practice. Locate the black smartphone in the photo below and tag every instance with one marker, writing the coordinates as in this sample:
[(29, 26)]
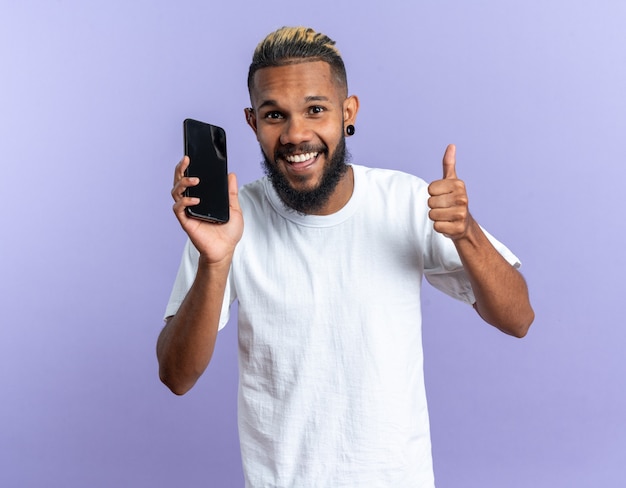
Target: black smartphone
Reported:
[(205, 144)]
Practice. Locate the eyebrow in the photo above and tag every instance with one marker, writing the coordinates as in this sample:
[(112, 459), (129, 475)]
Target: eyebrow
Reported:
[(309, 99)]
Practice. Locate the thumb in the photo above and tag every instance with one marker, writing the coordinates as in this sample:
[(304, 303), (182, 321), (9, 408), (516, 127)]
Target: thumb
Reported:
[(449, 162), (233, 191)]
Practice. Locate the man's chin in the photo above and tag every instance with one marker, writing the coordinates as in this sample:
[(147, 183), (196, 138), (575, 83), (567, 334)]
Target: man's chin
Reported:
[(302, 182), (308, 192)]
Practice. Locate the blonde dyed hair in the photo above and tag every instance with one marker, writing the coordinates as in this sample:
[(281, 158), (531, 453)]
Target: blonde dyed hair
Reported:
[(291, 45)]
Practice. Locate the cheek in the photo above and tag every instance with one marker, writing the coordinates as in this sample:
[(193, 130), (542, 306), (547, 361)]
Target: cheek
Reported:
[(266, 139), (333, 130), (331, 136)]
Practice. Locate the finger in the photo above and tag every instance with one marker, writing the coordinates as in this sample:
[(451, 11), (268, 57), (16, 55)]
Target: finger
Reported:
[(178, 191), (448, 214), (180, 204), (449, 162), (178, 194), (179, 171), (233, 191)]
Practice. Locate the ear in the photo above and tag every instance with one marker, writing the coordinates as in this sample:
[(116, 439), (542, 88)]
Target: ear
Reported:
[(250, 118), (350, 109)]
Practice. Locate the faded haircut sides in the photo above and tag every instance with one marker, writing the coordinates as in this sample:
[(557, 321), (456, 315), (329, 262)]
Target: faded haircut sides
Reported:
[(292, 45)]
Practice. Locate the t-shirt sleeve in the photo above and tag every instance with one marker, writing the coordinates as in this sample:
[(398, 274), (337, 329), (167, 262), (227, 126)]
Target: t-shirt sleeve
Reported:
[(184, 279), (444, 270)]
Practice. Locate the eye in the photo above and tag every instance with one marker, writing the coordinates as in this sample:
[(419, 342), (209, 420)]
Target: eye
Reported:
[(316, 110), (273, 115)]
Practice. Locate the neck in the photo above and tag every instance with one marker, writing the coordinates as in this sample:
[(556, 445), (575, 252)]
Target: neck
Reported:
[(340, 196)]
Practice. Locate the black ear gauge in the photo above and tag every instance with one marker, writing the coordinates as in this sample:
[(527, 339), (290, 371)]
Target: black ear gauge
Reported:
[(350, 130)]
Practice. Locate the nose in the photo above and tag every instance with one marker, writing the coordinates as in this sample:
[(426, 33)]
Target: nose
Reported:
[(295, 131)]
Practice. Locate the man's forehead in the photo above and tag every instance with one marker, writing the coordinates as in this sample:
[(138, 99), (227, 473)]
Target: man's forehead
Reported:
[(305, 99), (312, 78)]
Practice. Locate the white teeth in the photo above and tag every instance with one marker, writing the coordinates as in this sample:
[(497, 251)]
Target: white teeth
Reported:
[(300, 158)]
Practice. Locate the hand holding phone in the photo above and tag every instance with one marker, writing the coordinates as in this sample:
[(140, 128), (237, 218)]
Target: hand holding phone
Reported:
[(205, 145)]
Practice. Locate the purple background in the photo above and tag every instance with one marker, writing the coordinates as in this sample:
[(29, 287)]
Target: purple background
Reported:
[(92, 96)]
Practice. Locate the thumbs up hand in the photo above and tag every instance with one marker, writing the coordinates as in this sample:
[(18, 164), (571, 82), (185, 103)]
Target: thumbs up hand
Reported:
[(448, 200)]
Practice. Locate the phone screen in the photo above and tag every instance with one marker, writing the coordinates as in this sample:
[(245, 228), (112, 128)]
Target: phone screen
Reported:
[(205, 144)]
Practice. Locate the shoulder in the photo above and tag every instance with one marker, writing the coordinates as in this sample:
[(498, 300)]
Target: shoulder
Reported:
[(253, 191), (390, 184), (255, 203), (253, 196), (381, 176)]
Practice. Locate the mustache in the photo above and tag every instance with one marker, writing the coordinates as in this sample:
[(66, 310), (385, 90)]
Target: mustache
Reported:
[(290, 149)]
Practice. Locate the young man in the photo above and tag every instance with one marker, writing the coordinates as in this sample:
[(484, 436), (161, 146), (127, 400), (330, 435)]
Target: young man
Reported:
[(327, 273)]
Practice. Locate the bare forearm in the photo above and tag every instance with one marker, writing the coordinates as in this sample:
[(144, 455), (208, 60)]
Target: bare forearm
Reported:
[(186, 343), (500, 290)]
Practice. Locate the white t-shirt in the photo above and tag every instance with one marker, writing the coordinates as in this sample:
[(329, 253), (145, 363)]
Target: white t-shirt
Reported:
[(331, 387)]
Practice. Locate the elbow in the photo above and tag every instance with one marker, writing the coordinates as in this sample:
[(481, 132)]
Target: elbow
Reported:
[(171, 372), (519, 328), (518, 332), (178, 391), (175, 384), (515, 323)]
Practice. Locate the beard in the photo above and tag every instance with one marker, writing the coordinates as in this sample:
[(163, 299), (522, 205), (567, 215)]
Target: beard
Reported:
[(308, 201)]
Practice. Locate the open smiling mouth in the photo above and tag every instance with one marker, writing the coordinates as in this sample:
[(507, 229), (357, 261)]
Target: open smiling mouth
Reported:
[(301, 162), (301, 158)]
